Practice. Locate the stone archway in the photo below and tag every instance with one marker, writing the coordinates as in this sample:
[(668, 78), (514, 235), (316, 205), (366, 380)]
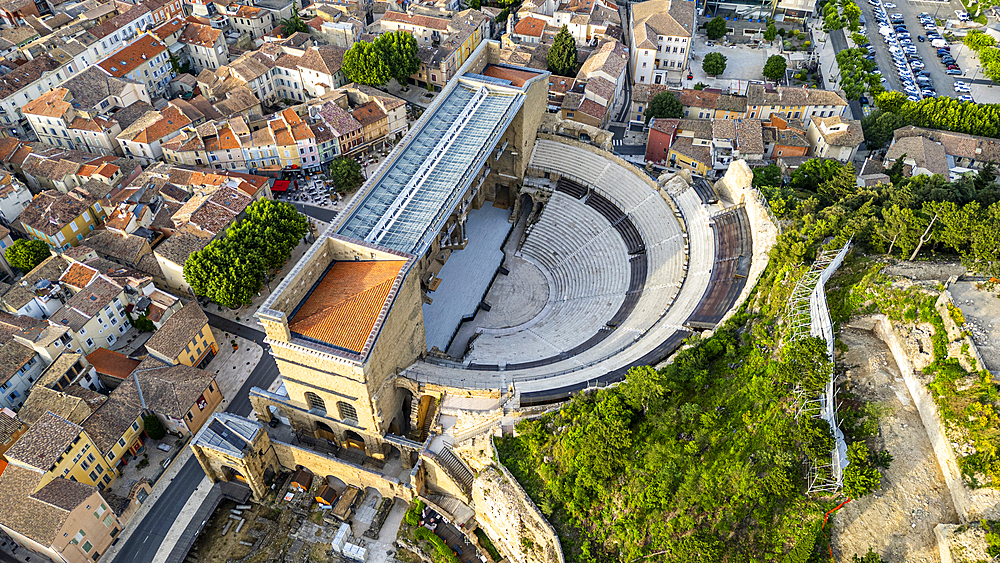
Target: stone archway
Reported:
[(323, 431), (354, 440)]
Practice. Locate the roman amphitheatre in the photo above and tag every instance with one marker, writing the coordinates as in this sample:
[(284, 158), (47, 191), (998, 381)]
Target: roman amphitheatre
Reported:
[(499, 261)]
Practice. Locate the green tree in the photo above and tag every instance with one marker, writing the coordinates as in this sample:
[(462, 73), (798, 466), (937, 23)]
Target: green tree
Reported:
[(774, 68), (898, 228), (890, 101), (812, 173), (870, 557), (26, 254), (562, 55), (861, 476), (293, 24), (852, 12), (767, 176), (664, 104), (878, 127), (365, 63), (143, 324), (716, 28), (977, 39), (346, 174), (771, 32), (399, 50), (984, 246), (714, 64), (154, 429)]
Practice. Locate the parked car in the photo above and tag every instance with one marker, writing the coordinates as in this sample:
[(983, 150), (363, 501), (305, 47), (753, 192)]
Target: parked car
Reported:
[(966, 98), (921, 38), (953, 72)]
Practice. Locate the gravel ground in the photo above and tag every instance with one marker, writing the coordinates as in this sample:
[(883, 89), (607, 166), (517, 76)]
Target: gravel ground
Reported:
[(981, 309), (898, 520)]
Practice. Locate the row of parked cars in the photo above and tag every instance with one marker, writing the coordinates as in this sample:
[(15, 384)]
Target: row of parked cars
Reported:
[(913, 74)]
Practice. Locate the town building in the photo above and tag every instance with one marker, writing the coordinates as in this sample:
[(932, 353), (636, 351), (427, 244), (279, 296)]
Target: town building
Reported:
[(145, 60), (61, 219), (662, 31), (835, 137)]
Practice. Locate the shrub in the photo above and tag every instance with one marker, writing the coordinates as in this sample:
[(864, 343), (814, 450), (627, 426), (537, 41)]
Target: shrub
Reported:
[(440, 546), (413, 513), (154, 429)]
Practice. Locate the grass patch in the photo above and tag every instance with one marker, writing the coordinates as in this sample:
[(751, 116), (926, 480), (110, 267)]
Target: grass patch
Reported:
[(487, 544)]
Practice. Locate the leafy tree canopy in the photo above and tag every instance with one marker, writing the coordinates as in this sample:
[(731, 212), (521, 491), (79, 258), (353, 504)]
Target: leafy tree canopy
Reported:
[(771, 32), (26, 254), (293, 24), (232, 269), (714, 64), (664, 104), (365, 63), (562, 55), (774, 68), (399, 51), (346, 173), (716, 28)]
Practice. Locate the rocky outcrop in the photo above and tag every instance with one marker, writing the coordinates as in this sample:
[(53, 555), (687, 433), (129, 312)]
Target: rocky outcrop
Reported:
[(512, 520)]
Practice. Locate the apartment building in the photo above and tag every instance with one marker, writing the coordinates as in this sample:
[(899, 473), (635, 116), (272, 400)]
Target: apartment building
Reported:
[(662, 31), (205, 46), (184, 339), (15, 197), (145, 60), (255, 22), (143, 139), (61, 219), (56, 122)]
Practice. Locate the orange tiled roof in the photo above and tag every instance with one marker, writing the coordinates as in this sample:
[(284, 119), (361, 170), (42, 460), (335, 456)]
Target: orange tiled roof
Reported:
[(112, 363), (78, 275), (128, 59), (50, 104), (344, 307), (530, 26)]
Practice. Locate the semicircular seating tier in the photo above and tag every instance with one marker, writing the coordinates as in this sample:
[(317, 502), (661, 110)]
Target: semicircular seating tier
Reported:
[(625, 272)]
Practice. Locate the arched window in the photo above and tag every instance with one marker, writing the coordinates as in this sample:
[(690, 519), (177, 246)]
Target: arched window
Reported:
[(347, 411), (315, 403)]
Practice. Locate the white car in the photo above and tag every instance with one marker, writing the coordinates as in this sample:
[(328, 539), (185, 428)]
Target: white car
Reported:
[(966, 99), (889, 5), (961, 84)]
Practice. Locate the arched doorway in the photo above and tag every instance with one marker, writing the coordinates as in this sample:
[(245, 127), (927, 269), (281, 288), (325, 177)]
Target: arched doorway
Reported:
[(323, 431), (232, 474), (405, 409), (354, 440)]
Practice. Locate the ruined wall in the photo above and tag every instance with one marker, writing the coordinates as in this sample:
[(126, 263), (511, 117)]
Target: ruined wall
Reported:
[(511, 519), (438, 480), (322, 465), (970, 505), (736, 186)]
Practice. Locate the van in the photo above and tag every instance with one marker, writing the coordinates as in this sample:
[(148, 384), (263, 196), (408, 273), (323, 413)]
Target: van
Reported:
[(938, 43)]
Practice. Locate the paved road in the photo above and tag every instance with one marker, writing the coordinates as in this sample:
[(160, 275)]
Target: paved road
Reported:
[(145, 541), (839, 41), (322, 213)]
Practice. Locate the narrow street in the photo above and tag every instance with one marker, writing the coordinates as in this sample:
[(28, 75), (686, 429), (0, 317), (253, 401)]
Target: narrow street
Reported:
[(145, 541)]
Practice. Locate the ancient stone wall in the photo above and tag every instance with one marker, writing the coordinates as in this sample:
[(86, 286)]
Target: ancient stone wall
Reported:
[(438, 480), (511, 519), (323, 465), (737, 187)]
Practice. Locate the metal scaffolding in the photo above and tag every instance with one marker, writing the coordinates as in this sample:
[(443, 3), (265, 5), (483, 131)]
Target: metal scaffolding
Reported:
[(808, 315)]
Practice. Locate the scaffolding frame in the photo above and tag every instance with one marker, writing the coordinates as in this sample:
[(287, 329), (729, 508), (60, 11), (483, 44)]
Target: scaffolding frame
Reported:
[(807, 315)]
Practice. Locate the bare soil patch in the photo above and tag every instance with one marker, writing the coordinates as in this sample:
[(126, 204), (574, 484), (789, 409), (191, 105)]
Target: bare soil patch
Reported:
[(898, 520)]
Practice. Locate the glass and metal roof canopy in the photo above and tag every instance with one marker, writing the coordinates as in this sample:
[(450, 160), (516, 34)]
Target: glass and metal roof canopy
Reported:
[(406, 203)]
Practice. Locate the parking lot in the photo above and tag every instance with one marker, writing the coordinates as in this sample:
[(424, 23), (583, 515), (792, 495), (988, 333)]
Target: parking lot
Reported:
[(941, 82)]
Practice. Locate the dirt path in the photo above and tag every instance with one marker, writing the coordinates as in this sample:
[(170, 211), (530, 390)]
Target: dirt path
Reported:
[(898, 520)]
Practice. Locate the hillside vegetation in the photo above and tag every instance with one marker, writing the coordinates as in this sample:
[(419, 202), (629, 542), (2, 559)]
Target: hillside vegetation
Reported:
[(708, 458)]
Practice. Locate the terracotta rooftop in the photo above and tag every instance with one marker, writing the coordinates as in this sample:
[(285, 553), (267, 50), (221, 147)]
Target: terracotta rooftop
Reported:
[(50, 104), (201, 35), (78, 275), (60, 403), (516, 76), (33, 518), (135, 55), (113, 418), (344, 306), (109, 362), (532, 27), (172, 390)]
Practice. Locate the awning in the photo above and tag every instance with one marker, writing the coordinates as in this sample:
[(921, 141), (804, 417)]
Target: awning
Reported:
[(280, 186)]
